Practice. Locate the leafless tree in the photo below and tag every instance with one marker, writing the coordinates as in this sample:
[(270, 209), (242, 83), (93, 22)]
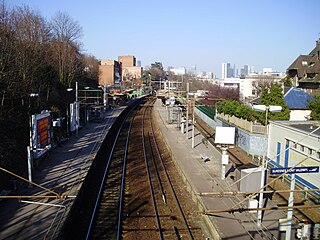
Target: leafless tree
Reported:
[(261, 83), (66, 33), (91, 66), (218, 92)]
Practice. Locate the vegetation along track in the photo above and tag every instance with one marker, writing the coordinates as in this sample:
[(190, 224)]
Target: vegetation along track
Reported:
[(154, 208)]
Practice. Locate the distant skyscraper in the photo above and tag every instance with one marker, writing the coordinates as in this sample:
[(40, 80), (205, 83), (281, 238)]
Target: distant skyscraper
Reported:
[(138, 63), (245, 70), (224, 70), (227, 71)]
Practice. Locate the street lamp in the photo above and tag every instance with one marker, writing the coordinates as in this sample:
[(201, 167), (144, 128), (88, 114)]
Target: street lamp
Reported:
[(266, 109), (85, 104), (68, 106)]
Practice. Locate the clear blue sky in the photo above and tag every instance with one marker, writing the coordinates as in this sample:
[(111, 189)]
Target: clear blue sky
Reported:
[(204, 33)]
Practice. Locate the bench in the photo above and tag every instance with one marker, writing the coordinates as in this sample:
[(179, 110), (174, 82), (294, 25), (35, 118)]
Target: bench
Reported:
[(204, 157)]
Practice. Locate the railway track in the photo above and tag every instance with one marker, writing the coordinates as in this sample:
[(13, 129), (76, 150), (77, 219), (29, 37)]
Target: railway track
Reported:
[(128, 193), (154, 211), (106, 218)]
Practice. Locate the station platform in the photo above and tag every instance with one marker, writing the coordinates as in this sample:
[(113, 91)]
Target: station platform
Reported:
[(203, 175), (62, 172)]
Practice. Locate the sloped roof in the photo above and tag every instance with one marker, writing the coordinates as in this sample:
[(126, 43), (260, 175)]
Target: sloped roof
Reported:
[(307, 64), (296, 99)]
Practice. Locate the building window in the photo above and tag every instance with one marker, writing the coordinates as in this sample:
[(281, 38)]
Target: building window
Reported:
[(318, 155), (301, 148), (294, 145), (310, 151), (304, 63), (287, 142)]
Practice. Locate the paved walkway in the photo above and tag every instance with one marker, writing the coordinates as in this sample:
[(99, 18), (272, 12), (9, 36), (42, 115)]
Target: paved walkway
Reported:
[(205, 177), (63, 172)]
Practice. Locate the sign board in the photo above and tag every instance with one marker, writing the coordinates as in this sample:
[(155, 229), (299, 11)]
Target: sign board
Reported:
[(74, 116), (224, 135), (314, 169), (41, 133)]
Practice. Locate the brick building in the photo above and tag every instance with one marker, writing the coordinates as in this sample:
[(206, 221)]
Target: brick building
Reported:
[(112, 72), (127, 61), (109, 73)]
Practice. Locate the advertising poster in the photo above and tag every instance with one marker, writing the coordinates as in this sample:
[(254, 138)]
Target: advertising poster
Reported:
[(74, 116), (41, 133)]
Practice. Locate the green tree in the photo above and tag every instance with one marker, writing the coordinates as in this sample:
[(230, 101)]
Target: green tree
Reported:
[(314, 106), (273, 96), (287, 81)]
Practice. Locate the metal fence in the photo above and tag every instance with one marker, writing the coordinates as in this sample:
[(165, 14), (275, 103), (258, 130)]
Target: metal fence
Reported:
[(209, 111)]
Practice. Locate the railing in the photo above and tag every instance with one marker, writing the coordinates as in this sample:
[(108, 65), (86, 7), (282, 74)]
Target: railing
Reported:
[(244, 124)]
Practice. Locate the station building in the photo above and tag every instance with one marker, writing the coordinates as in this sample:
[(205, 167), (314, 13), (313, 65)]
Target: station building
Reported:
[(296, 143)]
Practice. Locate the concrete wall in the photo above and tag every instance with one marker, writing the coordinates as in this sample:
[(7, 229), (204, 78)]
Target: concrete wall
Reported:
[(253, 144), (299, 115)]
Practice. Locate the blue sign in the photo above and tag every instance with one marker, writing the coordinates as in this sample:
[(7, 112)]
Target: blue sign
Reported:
[(294, 170)]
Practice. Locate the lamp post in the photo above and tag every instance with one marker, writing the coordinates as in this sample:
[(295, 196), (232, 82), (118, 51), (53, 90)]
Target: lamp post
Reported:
[(30, 147), (85, 105), (187, 122), (266, 109), (68, 111)]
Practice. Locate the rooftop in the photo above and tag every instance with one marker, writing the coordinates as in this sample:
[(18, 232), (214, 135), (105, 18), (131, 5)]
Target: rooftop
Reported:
[(308, 127)]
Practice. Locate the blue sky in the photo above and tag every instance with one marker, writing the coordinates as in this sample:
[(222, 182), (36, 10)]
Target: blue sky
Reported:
[(204, 33)]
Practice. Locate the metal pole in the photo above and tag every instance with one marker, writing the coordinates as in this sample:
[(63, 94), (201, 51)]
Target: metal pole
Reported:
[(76, 91), (224, 159), (193, 128), (30, 148), (77, 112), (290, 210), (261, 195), (29, 163), (68, 129), (105, 100), (267, 109), (187, 122)]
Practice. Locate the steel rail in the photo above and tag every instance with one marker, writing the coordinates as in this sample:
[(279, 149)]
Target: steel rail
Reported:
[(171, 185), (149, 177), (157, 171), (122, 188), (103, 178)]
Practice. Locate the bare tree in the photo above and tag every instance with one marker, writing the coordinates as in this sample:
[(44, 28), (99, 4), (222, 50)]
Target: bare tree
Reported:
[(66, 33), (91, 66), (262, 83), (218, 92)]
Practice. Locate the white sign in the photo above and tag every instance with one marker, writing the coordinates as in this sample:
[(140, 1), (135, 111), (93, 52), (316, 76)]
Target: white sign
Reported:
[(74, 116), (225, 135)]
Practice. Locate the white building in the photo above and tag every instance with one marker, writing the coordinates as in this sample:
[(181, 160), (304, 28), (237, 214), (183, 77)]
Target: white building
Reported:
[(245, 86), (178, 71), (296, 143)]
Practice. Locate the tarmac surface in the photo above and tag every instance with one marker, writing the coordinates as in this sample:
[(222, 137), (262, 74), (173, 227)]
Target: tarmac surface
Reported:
[(63, 172), (65, 169), (203, 175)]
